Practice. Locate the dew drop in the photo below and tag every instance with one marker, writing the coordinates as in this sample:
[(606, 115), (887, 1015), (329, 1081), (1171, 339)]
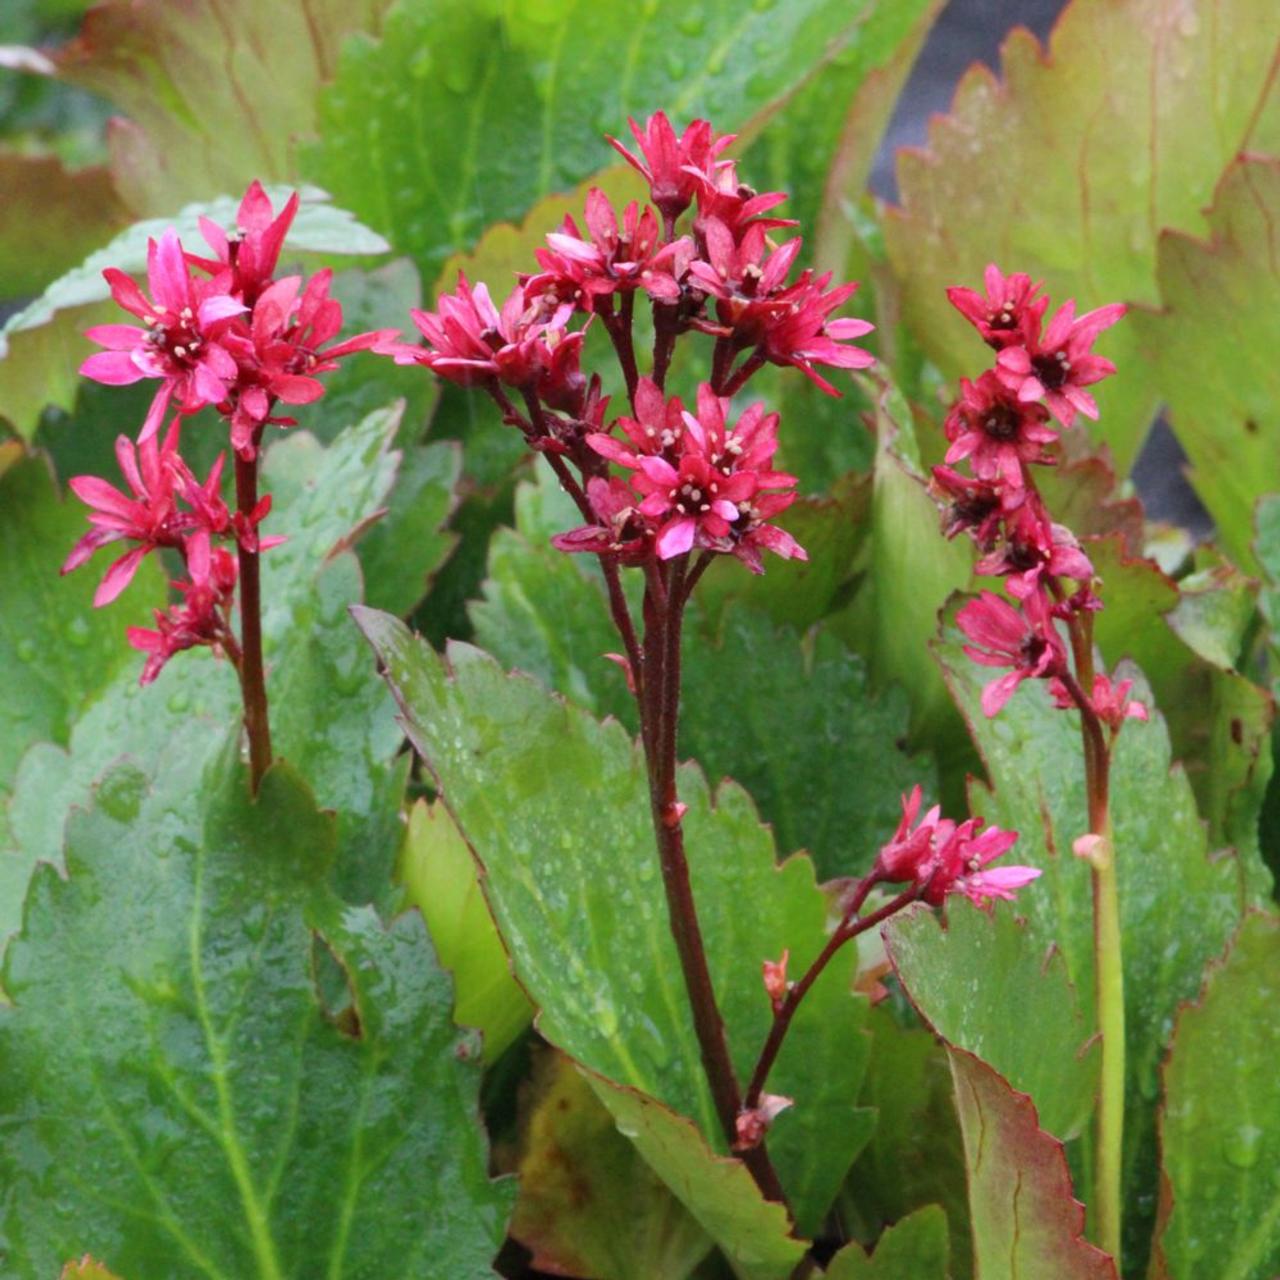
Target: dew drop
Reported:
[(179, 701), (676, 66), (79, 631), (1243, 1147), (423, 63), (762, 6), (606, 1019), (120, 794), (26, 651), (692, 21)]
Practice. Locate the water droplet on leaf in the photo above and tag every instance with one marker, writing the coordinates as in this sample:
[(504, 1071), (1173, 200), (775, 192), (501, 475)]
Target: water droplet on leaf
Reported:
[(1243, 1147)]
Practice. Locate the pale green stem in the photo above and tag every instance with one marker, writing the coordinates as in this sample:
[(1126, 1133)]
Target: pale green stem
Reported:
[(1109, 988)]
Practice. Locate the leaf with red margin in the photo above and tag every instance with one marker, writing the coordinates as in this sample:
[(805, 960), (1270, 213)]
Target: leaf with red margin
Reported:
[(984, 984), (51, 218), (587, 1204), (1213, 348), (1026, 1219), (913, 1249), (215, 94), (1220, 1125), (1070, 165)]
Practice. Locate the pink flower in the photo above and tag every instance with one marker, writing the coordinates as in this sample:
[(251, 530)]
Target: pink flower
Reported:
[(997, 432), (150, 517), (201, 618), (1111, 703), (908, 855), (962, 866), (705, 487), (976, 506), (283, 351), (471, 343), (1007, 311), (671, 165), (739, 272), (1003, 636), (752, 533), (657, 426), (180, 344), (1058, 366), (620, 529), (802, 335), (723, 197), (611, 261), (1034, 549), (252, 252)]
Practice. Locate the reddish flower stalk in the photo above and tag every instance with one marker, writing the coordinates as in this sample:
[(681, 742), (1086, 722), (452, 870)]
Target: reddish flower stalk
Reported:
[(1000, 424), (934, 858), (218, 332), (665, 487)]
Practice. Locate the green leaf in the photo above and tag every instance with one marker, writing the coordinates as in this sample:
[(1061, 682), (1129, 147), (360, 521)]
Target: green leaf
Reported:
[(1123, 97), (60, 651), (404, 551), (176, 1091), (439, 877), (86, 1269), (1034, 759), (578, 899), (588, 1204), (913, 1249), (983, 987), (718, 1192), (1219, 721), (1026, 1219), (578, 69), (834, 791), (42, 346), (1220, 1124), (916, 1155), (912, 571), (215, 96), (331, 716), (1210, 346)]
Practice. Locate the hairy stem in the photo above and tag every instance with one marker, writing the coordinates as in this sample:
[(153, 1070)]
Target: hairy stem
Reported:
[(253, 682), (659, 710)]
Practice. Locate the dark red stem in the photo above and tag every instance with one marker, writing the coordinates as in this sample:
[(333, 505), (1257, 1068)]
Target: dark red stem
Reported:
[(253, 682), (659, 710)]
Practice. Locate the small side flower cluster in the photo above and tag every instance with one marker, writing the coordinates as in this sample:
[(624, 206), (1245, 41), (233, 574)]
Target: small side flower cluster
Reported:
[(222, 332), (689, 478), (1005, 424), (940, 856)]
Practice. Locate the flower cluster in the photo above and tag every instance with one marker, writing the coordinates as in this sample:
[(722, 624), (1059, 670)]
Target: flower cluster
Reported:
[(219, 332), (940, 856), (1003, 425), (689, 477)]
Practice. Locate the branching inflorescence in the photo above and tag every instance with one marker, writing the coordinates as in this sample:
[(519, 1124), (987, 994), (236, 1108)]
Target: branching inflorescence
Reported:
[(220, 332)]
